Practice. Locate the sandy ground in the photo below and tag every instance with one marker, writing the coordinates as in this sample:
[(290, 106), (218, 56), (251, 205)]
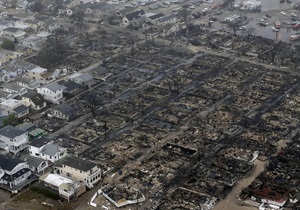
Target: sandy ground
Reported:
[(229, 203)]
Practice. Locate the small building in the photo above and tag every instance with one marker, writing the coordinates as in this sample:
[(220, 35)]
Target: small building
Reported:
[(80, 170), (128, 18), (15, 107), (28, 83), (36, 72), (13, 88), (13, 33), (69, 86), (14, 174), (155, 18), (44, 149), (167, 19), (83, 79), (52, 92), (33, 131), (63, 111), (66, 187), (13, 139), (36, 165), (33, 100)]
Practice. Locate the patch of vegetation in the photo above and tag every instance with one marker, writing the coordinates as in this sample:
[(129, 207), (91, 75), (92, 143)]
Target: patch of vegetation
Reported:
[(45, 192), (11, 120), (8, 45)]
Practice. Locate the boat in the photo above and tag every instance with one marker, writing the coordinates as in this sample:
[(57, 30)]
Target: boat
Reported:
[(275, 29), (277, 24)]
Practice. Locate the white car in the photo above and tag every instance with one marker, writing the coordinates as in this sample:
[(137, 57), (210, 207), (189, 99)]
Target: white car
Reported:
[(283, 13), (205, 10)]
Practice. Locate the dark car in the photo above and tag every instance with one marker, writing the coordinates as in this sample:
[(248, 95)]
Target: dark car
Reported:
[(213, 18)]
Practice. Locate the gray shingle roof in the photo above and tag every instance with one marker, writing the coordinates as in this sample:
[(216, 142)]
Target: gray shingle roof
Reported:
[(53, 87), (11, 131), (135, 15), (77, 163), (51, 149), (8, 163), (32, 161), (65, 109), (39, 142), (20, 109)]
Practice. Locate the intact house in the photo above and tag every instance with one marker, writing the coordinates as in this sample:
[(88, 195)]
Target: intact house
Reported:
[(83, 79), (44, 149), (66, 187), (13, 33), (33, 100), (36, 165), (127, 19), (33, 131), (167, 20), (40, 74), (14, 174), (69, 86), (14, 107), (80, 170), (52, 92), (7, 55), (154, 18), (26, 82), (22, 64), (12, 70), (13, 89), (13, 139), (63, 111), (96, 9)]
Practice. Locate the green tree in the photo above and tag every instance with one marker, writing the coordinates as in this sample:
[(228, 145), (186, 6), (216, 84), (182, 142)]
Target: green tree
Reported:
[(8, 45), (11, 120)]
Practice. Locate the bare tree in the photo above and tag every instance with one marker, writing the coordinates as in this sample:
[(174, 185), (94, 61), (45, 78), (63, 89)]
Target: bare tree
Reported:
[(234, 25), (37, 6), (93, 102)]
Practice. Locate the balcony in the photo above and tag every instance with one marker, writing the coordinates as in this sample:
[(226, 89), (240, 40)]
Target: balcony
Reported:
[(20, 142)]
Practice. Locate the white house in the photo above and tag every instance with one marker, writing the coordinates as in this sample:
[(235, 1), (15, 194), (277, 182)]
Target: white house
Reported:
[(45, 150), (14, 173), (66, 187), (36, 165), (80, 170), (51, 92), (11, 87), (13, 139), (83, 79), (15, 107), (33, 100)]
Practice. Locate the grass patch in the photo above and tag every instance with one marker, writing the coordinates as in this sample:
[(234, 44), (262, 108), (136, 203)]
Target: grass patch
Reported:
[(45, 192)]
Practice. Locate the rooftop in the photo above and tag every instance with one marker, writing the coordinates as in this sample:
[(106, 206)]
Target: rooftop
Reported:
[(77, 163), (8, 163), (11, 131)]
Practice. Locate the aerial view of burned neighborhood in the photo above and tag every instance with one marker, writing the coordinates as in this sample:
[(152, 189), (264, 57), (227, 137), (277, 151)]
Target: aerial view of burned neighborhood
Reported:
[(149, 104)]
